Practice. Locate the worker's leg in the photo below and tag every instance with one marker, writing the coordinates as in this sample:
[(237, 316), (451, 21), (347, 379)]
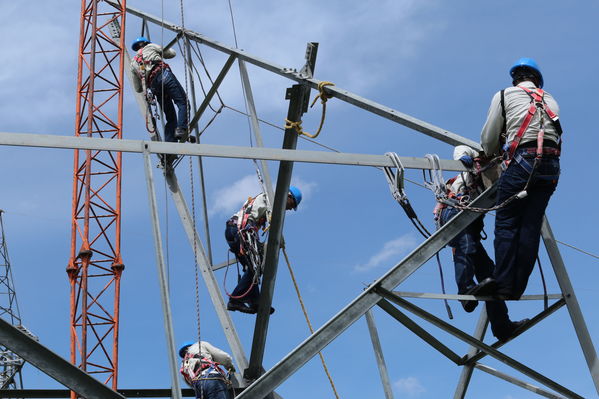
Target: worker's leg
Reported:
[(211, 388), (498, 317), (539, 193), (162, 94), (177, 94), (507, 227), (463, 246)]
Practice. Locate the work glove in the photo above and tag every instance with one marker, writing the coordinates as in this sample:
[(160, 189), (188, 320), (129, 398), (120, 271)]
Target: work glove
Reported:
[(231, 369), (467, 161)]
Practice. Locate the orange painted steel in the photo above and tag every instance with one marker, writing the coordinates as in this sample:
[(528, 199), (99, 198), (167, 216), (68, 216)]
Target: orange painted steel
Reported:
[(95, 264)]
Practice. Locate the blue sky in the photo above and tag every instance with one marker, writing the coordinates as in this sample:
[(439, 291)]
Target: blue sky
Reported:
[(438, 61)]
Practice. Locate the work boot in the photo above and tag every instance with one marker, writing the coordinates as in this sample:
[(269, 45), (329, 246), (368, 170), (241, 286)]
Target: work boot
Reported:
[(181, 134), (484, 288), (469, 305), (240, 306), (514, 329), (254, 307)]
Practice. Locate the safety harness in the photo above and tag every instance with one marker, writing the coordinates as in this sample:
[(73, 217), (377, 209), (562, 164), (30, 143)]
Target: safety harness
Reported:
[(195, 367), (537, 103), (147, 70)]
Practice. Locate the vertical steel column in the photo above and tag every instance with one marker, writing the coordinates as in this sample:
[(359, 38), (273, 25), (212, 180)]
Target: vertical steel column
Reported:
[(162, 277), (582, 332), (378, 353), (296, 95), (466, 375)]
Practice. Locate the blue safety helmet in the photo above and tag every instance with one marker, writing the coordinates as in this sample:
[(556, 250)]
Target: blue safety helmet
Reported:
[(183, 348), (530, 64), (139, 42), (296, 194)]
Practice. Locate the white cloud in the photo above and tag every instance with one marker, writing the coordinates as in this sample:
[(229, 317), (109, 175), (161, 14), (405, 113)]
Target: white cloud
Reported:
[(229, 199), (409, 386), (392, 250)]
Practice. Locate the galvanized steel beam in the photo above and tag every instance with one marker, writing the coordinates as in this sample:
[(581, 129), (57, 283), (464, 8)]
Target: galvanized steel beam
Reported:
[(218, 151), (162, 278), (367, 299), (378, 354), (419, 331), (296, 95), (478, 344), (344, 95), (53, 365), (582, 332)]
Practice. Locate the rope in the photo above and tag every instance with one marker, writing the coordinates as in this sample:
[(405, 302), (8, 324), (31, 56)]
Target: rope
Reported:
[(578, 249), (396, 185), (301, 301), (297, 126), (195, 248)]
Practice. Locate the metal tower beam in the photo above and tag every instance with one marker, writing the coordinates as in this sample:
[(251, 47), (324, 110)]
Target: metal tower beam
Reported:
[(218, 151), (95, 265), (354, 310), (342, 94), (53, 365), (582, 332), (378, 353), (10, 363)]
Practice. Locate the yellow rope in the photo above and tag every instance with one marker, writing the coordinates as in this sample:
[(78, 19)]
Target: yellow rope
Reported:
[(297, 126), (299, 296)]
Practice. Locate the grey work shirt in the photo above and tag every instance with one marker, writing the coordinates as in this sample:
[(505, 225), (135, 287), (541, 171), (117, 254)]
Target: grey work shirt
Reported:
[(516, 103), (144, 60)]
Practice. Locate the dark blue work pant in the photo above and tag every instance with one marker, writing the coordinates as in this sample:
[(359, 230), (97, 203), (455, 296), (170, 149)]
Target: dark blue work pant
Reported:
[(209, 387), (471, 259), (167, 90), (469, 256), (253, 295), (518, 225)]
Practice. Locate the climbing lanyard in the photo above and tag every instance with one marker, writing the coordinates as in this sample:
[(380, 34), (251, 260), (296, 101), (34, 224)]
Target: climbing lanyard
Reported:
[(396, 185)]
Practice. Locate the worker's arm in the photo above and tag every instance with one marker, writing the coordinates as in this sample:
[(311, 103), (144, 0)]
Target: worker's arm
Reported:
[(489, 136), (135, 77), (169, 53), (219, 355)]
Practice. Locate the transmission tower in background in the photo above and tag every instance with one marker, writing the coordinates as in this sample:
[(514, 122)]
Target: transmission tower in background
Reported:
[(10, 363), (95, 263)]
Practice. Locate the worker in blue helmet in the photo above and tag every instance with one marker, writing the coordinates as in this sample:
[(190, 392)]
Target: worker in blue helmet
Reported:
[(522, 128), (241, 233), (150, 72), (202, 368)]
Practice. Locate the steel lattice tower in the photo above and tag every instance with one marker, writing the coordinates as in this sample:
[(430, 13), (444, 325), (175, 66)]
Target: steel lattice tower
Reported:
[(10, 363), (95, 264)]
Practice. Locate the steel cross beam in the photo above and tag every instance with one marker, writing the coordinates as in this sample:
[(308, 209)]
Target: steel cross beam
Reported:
[(344, 95), (489, 350), (419, 331), (366, 300), (211, 92), (518, 382), (53, 365), (218, 151), (582, 332)]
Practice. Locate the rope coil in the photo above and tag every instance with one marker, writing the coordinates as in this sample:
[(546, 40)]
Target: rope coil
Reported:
[(297, 126)]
